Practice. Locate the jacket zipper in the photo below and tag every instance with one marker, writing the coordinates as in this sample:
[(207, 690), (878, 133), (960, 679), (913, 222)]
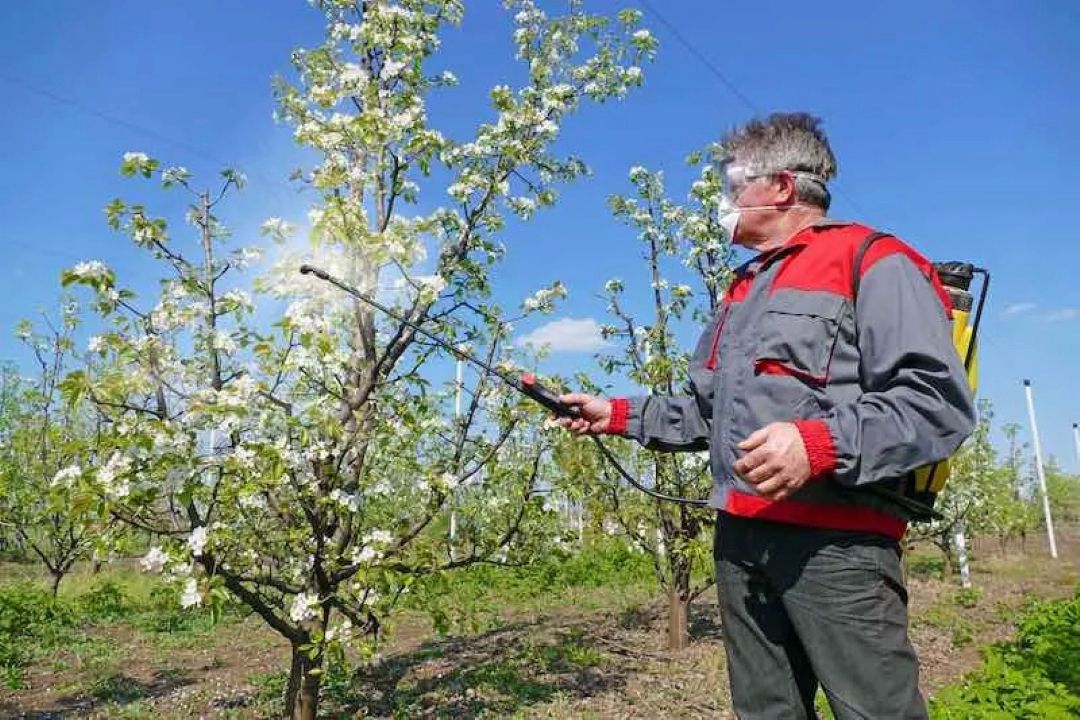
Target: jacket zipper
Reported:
[(714, 350)]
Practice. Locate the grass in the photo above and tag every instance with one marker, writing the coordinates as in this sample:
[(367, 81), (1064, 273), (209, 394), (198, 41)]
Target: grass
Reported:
[(71, 635), (950, 618)]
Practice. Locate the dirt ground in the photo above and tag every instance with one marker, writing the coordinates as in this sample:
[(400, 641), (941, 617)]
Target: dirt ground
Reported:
[(599, 658)]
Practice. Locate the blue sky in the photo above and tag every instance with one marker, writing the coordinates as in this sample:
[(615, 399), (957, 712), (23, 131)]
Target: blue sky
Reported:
[(957, 126)]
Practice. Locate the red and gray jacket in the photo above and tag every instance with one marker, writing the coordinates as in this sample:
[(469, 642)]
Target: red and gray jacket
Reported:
[(874, 384)]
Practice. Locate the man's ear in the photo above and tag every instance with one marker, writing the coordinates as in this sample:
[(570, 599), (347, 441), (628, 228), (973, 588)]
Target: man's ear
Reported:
[(787, 193)]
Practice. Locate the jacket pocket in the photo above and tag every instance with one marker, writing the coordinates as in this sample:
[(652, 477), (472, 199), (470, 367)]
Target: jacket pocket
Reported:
[(798, 335)]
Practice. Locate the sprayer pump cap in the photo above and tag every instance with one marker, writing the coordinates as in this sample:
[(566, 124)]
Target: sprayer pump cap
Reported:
[(955, 274)]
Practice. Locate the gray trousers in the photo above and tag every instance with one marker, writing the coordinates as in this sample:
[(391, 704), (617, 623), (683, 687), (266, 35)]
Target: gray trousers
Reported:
[(802, 607)]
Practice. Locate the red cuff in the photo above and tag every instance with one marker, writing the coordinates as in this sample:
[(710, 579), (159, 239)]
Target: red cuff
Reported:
[(620, 409), (819, 446)]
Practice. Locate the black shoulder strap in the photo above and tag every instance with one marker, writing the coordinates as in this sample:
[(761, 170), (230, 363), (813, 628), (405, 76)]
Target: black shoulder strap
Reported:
[(918, 510), (856, 265)]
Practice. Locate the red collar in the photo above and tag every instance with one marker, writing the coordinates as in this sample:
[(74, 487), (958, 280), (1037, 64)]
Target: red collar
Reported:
[(802, 237)]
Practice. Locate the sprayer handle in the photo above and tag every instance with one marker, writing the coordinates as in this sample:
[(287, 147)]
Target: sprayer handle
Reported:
[(546, 397)]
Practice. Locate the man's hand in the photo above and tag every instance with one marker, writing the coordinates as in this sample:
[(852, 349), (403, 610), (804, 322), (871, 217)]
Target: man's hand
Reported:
[(775, 460), (595, 414)]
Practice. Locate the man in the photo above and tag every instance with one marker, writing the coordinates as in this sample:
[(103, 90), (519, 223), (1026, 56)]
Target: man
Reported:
[(816, 400)]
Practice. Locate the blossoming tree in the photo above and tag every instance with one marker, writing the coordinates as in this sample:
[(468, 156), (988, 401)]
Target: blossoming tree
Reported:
[(307, 469), (681, 241)]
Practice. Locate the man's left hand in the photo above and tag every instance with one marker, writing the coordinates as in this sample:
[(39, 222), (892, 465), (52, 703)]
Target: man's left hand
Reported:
[(775, 460)]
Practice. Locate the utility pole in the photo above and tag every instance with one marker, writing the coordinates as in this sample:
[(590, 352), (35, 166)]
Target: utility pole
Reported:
[(1040, 473)]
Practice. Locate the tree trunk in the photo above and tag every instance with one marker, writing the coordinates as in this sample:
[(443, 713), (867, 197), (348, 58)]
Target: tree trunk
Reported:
[(302, 694), (57, 576), (951, 565), (678, 604), (678, 634)]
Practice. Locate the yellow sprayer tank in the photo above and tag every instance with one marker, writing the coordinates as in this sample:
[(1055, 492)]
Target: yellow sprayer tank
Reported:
[(956, 277)]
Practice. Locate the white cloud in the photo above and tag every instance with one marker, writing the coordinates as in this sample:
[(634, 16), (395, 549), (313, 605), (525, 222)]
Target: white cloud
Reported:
[(1018, 308), (567, 335), (1063, 315)]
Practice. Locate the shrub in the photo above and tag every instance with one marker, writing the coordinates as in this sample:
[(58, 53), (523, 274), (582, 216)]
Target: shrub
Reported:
[(29, 616), (106, 601), (1036, 677)]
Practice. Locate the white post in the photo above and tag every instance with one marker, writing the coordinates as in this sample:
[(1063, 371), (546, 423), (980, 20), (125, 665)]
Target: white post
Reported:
[(1039, 470), (460, 377), (1076, 439), (962, 557)]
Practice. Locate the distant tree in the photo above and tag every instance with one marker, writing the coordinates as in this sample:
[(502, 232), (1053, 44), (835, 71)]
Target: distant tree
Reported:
[(1064, 491), (970, 500), (46, 442)]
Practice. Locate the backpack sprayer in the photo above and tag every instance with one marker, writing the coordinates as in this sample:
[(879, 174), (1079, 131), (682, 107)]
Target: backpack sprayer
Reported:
[(919, 491), (956, 277), (526, 384)]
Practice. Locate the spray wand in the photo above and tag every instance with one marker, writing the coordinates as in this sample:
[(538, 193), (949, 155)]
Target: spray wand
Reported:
[(526, 384)]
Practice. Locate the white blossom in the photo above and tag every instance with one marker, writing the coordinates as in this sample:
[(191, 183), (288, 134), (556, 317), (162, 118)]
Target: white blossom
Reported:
[(138, 162), (523, 207), (241, 299), (392, 68), (112, 477), (304, 607), (378, 537), (432, 283), (682, 291), (459, 191), (544, 299), (154, 560), (354, 76), (277, 229), (191, 596), (175, 174), (197, 540), (224, 342), (252, 501), (246, 256), (90, 270), (67, 475), (244, 456), (341, 631), (350, 501), (361, 556)]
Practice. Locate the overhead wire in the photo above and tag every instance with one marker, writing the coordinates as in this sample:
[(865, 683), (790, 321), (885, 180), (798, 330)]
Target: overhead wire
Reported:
[(114, 119), (722, 77)]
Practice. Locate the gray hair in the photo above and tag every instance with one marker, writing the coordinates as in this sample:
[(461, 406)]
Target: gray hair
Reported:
[(786, 141)]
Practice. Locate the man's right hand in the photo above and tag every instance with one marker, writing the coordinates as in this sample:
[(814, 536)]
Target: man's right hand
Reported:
[(595, 414)]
